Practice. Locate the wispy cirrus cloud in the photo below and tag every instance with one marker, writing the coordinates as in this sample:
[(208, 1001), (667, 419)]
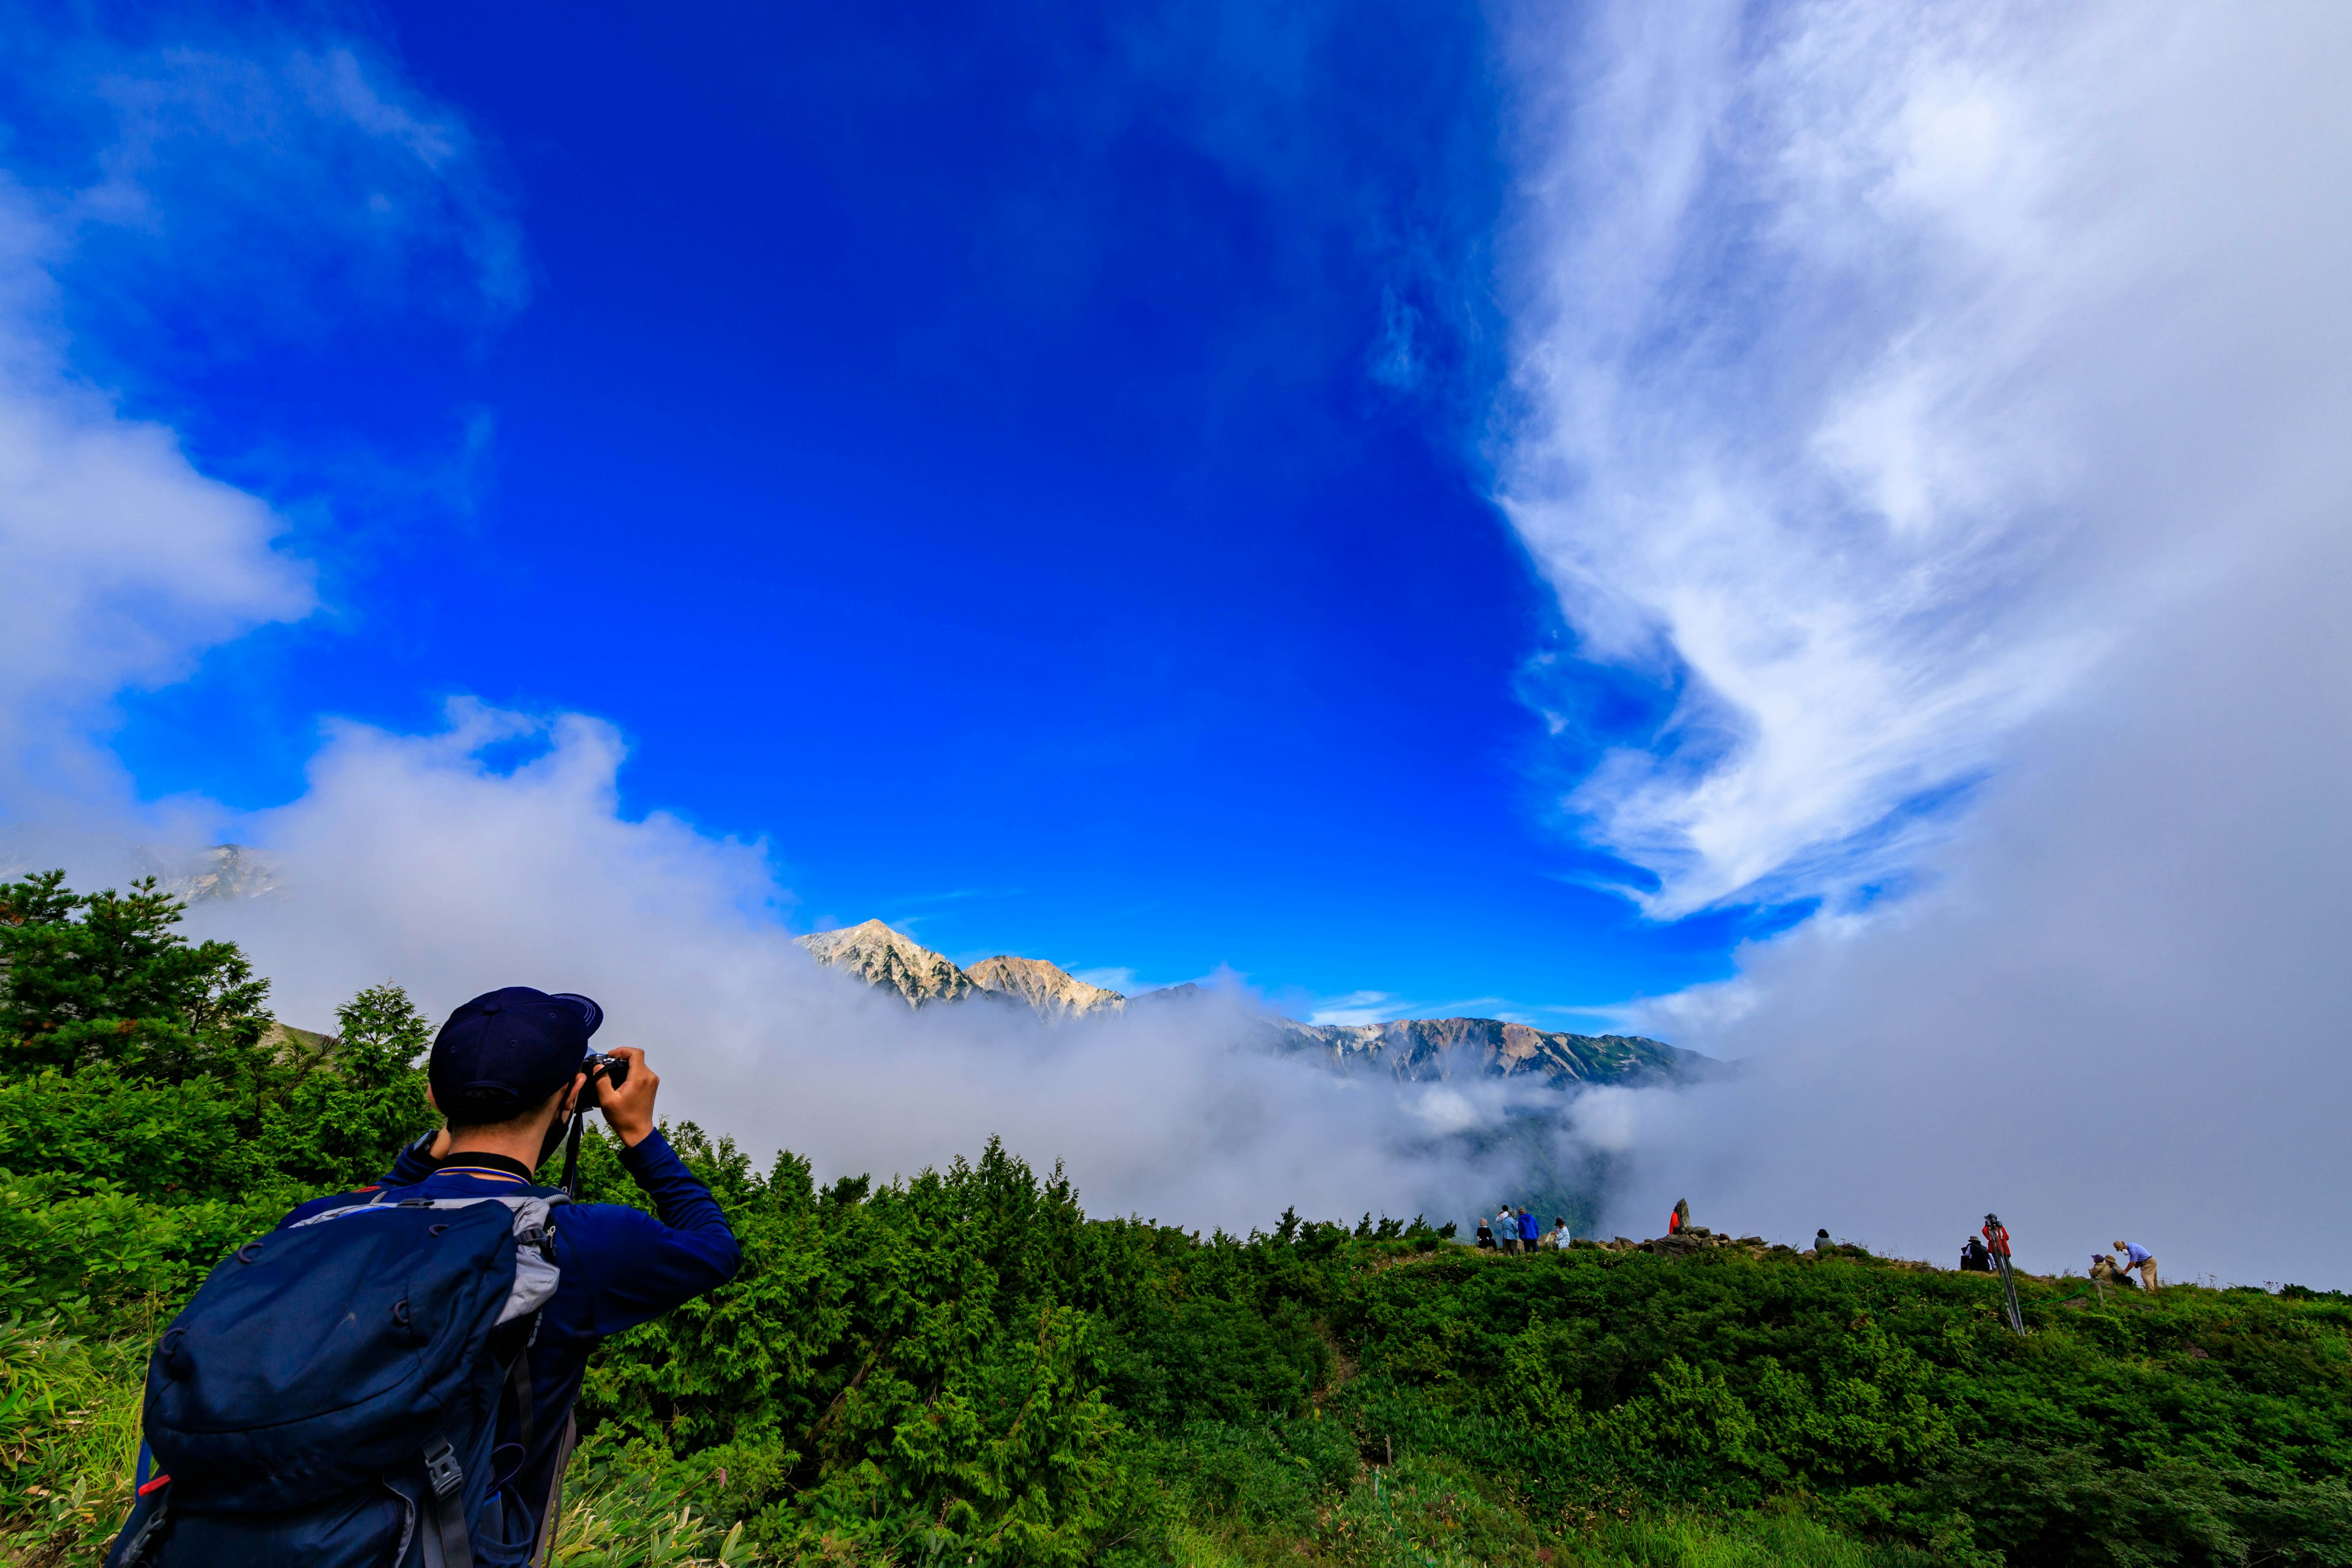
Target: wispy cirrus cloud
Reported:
[(1832, 344), (222, 187)]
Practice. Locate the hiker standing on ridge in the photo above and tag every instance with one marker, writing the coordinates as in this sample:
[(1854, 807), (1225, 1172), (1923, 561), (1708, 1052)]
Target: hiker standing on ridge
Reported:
[(2139, 1257), (1679, 1221), (1507, 1229), (1530, 1231), (389, 1376)]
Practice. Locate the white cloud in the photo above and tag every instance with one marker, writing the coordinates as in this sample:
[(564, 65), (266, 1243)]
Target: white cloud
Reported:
[(1952, 394), (407, 857), (2120, 1013), (1854, 342), (231, 185), (121, 561), (282, 182)]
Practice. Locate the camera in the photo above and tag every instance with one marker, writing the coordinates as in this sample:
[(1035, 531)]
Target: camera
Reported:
[(614, 1070)]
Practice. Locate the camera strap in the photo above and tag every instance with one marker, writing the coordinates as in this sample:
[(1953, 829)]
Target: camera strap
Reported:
[(570, 1182)]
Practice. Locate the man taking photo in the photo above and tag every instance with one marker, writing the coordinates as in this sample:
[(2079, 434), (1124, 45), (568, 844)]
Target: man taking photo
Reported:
[(388, 1377)]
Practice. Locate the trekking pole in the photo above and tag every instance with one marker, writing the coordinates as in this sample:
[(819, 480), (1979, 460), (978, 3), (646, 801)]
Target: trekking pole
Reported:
[(1997, 1238)]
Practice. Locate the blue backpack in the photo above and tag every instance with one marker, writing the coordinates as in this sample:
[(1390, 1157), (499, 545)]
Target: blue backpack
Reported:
[(330, 1396)]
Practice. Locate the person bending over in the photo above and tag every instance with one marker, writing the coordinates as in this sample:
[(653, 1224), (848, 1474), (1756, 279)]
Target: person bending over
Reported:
[(2139, 1257)]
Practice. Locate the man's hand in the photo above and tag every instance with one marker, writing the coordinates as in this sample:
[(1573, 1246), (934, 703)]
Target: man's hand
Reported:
[(629, 1110)]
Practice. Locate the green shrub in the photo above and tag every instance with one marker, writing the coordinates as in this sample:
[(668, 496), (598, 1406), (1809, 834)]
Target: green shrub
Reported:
[(962, 1368)]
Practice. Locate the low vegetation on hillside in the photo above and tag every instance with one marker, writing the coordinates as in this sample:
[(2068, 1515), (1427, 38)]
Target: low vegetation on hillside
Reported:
[(962, 1367)]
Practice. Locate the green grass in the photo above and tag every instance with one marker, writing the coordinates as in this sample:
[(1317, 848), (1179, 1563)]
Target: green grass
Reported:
[(69, 1438)]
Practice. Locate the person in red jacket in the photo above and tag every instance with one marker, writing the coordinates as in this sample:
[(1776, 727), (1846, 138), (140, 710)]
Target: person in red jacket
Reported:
[(1677, 1222)]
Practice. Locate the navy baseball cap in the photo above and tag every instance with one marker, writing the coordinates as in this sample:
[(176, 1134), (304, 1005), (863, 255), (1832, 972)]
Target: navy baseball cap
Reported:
[(507, 1050)]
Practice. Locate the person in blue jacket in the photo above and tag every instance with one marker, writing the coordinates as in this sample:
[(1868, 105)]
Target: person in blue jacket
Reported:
[(507, 1071), (1531, 1232)]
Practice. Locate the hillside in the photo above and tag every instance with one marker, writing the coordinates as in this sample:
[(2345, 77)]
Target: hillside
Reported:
[(967, 1363), (964, 1367)]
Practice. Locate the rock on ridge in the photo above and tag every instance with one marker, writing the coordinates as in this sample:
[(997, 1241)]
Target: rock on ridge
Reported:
[(1053, 991), (880, 956)]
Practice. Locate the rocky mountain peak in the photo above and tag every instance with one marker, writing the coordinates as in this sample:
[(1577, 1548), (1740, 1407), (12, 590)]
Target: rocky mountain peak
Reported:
[(880, 956), (1053, 991), (222, 873)]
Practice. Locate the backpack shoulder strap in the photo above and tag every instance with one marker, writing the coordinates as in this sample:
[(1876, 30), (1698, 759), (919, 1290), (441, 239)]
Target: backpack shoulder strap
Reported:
[(445, 1543)]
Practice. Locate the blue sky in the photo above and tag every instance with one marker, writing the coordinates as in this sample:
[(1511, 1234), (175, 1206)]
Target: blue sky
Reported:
[(1030, 470), (1821, 520)]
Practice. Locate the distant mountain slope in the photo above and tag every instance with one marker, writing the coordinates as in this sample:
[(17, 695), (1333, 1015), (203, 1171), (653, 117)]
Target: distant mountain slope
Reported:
[(222, 873), (1047, 987), (1432, 1050), (1411, 1050)]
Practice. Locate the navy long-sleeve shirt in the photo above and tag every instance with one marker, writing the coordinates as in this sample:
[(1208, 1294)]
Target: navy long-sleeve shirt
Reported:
[(620, 1267)]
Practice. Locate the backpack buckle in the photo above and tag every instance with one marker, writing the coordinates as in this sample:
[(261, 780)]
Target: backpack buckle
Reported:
[(442, 1469)]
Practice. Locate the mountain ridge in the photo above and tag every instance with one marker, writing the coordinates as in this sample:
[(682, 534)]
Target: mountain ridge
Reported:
[(1047, 986), (1410, 1050)]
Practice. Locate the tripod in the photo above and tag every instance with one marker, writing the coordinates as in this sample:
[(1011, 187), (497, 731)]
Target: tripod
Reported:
[(1997, 1238)]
